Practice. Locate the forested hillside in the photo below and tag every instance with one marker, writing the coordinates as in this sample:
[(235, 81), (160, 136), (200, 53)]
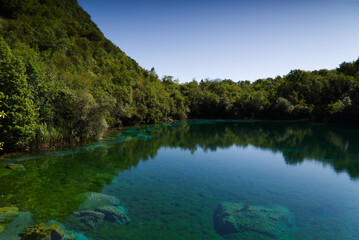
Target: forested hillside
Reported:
[(62, 81)]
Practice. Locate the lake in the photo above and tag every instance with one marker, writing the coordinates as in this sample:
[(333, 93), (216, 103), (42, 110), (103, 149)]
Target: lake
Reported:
[(194, 180)]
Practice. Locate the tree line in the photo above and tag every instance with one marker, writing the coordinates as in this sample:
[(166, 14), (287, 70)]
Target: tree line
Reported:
[(62, 81)]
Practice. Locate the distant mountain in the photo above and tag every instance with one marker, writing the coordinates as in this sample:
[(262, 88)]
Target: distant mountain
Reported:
[(216, 80)]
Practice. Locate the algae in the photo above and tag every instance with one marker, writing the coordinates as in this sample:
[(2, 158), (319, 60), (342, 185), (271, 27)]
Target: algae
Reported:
[(2, 228), (7, 214)]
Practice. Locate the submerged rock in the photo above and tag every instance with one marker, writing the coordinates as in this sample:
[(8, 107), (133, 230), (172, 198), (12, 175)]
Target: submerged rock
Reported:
[(95, 200), (85, 219), (8, 213), (238, 218), (14, 166), (114, 214), (42, 232), (71, 236), (96, 209)]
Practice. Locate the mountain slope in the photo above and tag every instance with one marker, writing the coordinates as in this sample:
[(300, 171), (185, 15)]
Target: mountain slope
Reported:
[(78, 82)]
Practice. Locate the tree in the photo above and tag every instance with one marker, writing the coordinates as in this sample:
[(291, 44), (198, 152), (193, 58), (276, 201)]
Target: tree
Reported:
[(2, 115), (20, 124)]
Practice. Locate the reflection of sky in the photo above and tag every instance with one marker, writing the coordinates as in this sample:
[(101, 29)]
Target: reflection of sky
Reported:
[(236, 39), (263, 164), (254, 176)]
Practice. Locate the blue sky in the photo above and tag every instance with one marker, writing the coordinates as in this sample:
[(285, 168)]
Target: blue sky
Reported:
[(239, 40)]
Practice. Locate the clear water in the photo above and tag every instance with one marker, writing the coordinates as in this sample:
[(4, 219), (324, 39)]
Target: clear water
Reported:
[(171, 178)]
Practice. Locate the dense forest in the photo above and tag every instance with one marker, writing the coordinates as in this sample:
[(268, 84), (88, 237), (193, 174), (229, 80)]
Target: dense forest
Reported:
[(62, 81)]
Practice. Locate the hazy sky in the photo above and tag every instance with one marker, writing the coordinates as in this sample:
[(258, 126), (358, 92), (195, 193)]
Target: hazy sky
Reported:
[(235, 39)]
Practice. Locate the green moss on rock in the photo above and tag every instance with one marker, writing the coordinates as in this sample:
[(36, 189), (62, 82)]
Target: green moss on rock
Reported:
[(114, 214), (274, 222), (14, 166), (85, 220), (96, 200), (8, 213), (43, 232)]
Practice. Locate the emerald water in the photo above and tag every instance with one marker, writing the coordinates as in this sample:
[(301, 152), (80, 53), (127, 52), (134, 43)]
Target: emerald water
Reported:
[(171, 178)]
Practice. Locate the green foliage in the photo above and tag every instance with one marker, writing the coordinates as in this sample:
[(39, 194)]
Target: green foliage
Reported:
[(18, 128), (2, 115), (63, 81), (283, 108), (70, 81)]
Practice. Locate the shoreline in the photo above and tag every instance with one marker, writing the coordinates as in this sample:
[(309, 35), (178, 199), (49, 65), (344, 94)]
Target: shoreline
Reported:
[(63, 144)]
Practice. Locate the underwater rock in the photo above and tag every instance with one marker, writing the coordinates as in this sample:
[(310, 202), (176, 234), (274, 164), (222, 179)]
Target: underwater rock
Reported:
[(67, 235), (85, 219), (71, 236), (14, 166), (95, 200), (42, 232), (238, 217), (114, 214), (96, 209), (8, 213)]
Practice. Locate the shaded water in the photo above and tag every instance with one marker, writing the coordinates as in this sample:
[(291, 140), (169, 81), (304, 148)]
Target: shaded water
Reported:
[(171, 178)]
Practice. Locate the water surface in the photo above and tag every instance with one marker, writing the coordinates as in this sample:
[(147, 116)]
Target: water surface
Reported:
[(170, 179)]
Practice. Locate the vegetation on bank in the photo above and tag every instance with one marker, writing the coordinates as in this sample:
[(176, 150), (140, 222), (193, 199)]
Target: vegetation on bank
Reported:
[(61, 80)]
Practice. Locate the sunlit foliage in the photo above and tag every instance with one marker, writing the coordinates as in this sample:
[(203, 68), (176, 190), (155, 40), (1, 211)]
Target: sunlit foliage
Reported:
[(62, 81)]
